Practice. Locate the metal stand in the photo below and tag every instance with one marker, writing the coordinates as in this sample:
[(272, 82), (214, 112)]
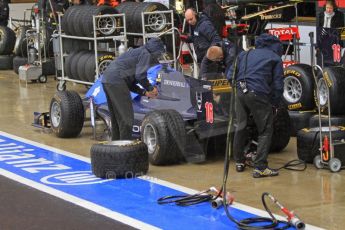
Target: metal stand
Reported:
[(168, 28), (326, 156), (122, 37)]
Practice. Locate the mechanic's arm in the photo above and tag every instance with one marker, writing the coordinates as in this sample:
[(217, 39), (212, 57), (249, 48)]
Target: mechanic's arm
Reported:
[(141, 71), (278, 83), (136, 89)]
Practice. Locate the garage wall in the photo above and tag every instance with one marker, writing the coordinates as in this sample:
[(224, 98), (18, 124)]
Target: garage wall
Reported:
[(17, 10)]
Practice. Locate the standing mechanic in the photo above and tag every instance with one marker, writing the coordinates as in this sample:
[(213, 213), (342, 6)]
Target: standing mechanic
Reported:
[(203, 33), (121, 77), (4, 12), (259, 85)]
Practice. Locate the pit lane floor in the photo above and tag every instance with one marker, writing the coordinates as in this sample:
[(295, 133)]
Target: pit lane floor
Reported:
[(317, 196)]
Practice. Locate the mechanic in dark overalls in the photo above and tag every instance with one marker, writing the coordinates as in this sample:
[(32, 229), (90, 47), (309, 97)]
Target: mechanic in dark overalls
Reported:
[(203, 33), (215, 65), (218, 60), (259, 88), (4, 12), (122, 76)]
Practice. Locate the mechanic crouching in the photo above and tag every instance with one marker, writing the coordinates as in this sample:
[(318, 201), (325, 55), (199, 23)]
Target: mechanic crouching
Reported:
[(122, 76), (258, 77)]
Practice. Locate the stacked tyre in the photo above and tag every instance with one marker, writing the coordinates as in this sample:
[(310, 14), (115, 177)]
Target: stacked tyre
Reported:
[(81, 65), (156, 22), (330, 84), (7, 39), (298, 95), (78, 21)]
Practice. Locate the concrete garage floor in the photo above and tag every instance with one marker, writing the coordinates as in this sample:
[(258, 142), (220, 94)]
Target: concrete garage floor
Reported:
[(317, 196)]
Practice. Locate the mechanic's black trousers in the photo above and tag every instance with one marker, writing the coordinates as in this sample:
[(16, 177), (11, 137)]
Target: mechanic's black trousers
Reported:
[(261, 109), (121, 110)]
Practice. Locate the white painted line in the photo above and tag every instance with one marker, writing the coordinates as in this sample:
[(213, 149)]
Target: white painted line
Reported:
[(80, 202), (62, 152), (147, 178)]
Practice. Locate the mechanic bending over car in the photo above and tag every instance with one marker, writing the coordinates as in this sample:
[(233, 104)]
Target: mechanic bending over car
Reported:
[(259, 84), (215, 65), (122, 76), (218, 60), (203, 33)]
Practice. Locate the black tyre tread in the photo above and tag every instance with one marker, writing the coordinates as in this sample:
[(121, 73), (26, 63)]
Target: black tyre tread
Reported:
[(335, 121), (72, 114), (304, 74), (73, 45), (166, 151), (85, 17), (64, 20), (78, 20), (300, 120), (88, 18), (177, 130), (6, 62), (90, 69), (74, 64), (19, 61), (72, 18), (68, 62), (8, 38), (281, 130), (308, 142), (82, 65), (128, 8), (111, 161), (146, 7)]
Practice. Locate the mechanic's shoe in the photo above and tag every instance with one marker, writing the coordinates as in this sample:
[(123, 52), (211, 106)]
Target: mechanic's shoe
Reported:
[(240, 167), (257, 173)]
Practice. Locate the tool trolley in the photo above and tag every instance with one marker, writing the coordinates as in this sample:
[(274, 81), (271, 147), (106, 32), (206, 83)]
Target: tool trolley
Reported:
[(36, 49), (332, 152)]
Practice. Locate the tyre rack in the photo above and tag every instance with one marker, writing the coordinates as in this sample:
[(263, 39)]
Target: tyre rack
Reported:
[(122, 37), (169, 28)]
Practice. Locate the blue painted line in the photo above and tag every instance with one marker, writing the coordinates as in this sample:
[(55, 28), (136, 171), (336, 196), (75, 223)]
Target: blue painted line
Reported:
[(135, 198)]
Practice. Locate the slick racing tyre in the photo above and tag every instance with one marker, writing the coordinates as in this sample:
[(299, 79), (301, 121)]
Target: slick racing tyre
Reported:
[(335, 121), (66, 114), (333, 80), (119, 159), (281, 130), (300, 120), (154, 22), (308, 141), (7, 40), (162, 132), (298, 87)]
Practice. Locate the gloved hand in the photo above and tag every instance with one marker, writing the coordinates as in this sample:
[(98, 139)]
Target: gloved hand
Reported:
[(184, 37), (152, 94)]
